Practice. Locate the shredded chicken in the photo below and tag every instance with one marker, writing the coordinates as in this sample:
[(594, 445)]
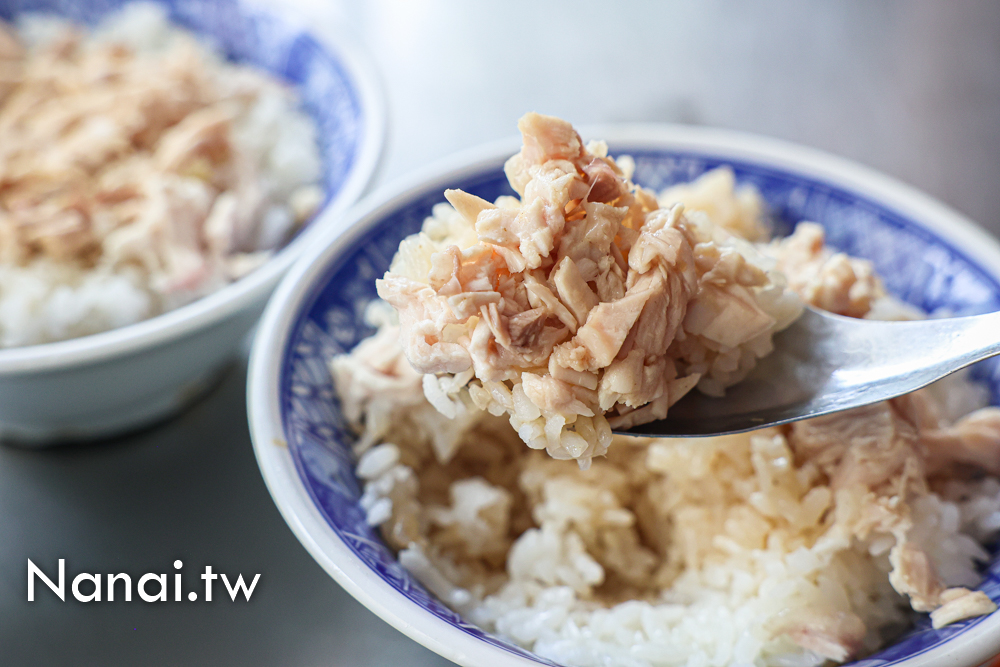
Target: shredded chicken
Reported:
[(837, 636), (878, 460), (960, 604), (828, 280), (583, 306), (740, 210)]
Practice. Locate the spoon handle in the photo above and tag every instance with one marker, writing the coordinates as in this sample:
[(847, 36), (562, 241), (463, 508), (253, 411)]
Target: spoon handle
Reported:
[(826, 363), (888, 359)]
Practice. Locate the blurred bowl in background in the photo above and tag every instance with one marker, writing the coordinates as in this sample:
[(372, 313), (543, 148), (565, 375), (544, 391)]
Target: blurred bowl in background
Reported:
[(928, 255), (111, 382)]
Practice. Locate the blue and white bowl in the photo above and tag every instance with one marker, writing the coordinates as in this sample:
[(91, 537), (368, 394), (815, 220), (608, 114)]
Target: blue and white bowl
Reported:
[(928, 255), (113, 381)]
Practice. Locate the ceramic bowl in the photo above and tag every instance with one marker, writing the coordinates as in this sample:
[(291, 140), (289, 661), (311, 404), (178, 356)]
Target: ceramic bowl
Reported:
[(110, 382), (929, 255)]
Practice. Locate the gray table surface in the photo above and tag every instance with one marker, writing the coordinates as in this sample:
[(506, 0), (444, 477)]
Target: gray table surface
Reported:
[(910, 88)]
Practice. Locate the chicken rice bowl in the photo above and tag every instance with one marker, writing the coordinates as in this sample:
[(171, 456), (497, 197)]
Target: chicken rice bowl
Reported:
[(139, 171), (514, 335)]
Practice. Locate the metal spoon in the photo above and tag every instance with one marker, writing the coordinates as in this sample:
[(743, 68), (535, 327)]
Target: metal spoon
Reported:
[(826, 363)]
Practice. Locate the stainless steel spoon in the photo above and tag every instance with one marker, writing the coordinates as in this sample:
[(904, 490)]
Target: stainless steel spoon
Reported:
[(826, 363)]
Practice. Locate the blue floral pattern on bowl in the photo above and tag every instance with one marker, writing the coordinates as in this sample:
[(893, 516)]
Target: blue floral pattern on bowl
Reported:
[(918, 266), (270, 42)]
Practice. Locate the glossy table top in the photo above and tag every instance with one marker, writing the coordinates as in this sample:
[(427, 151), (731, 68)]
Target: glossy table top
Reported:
[(910, 88)]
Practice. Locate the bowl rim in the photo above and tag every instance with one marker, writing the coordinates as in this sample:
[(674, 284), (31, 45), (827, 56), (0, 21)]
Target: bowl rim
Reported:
[(206, 311), (978, 644)]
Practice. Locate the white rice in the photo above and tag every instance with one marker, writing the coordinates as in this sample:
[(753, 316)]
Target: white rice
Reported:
[(558, 560), (48, 301)]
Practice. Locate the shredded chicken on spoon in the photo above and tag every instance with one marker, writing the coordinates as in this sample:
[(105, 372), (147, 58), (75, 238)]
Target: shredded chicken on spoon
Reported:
[(583, 306)]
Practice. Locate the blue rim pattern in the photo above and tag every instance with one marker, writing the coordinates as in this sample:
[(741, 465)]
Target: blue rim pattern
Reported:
[(918, 266), (245, 34)]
